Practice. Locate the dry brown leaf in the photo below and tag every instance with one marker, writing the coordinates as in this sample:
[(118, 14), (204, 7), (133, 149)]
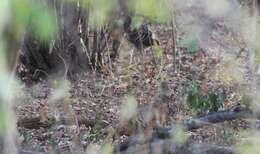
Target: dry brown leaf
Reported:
[(44, 113)]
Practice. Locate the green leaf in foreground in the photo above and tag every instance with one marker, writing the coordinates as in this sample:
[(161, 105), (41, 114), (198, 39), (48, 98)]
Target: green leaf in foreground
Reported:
[(129, 108), (41, 18), (2, 119), (152, 9), (100, 10), (44, 22)]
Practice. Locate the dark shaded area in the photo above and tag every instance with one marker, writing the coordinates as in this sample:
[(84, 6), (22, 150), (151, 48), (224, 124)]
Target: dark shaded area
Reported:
[(63, 55), (78, 47)]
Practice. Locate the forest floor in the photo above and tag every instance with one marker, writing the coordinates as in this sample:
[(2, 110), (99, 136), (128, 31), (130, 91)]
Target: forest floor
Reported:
[(97, 97)]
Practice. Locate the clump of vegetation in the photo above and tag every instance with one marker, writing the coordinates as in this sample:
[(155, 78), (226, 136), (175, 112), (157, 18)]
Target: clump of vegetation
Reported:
[(204, 103)]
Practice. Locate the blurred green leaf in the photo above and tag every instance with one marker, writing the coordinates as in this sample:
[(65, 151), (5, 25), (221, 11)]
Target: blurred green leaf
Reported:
[(129, 108), (179, 136), (2, 119), (61, 90), (100, 10), (247, 100), (158, 51), (41, 17), (250, 145), (107, 148), (92, 149), (138, 21), (43, 20), (86, 3), (153, 9), (21, 10)]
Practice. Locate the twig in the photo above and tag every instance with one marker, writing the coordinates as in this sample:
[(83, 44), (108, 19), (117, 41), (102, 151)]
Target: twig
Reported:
[(36, 123)]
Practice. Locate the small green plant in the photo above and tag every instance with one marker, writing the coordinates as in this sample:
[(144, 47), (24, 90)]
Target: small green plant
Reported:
[(96, 130), (203, 103)]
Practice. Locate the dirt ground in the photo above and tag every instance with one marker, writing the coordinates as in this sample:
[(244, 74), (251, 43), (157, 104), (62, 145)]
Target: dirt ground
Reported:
[(98, 97)]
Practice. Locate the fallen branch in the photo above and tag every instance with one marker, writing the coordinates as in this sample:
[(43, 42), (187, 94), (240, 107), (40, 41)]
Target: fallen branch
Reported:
[(236, 112), (163, 146), (163, 133)]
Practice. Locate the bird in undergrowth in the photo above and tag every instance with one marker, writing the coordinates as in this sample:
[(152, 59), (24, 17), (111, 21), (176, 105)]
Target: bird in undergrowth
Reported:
[(142, 37)]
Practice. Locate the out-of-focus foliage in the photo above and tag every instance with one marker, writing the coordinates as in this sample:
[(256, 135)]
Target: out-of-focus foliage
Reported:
[(137, 21), (4, 14), (230, 70), (250, 144), (2, 119), (158, 52), (21, 11), (61, 89), (217, 8), (191, 39), (100, 10), (180, 136), (15, 17), (153, 9), (93, 149), (107, 148), (203, 103), (247, 100), (42, 19), (128, 109), (250, 31), (4, 18), (246, 21)]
